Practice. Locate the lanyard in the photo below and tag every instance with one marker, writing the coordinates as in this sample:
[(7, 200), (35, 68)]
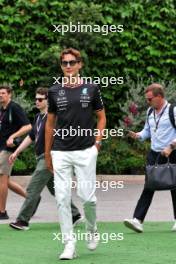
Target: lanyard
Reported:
[(38, 126), (157, 122)]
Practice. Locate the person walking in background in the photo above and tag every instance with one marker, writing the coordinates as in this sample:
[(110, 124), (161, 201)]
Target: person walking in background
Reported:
[(13, 124), (41, 176), (159, 128)]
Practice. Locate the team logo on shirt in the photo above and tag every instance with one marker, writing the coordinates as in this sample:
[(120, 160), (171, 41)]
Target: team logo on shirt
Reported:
[(84, 91), (61, 92), (84, 98), (62, 101)]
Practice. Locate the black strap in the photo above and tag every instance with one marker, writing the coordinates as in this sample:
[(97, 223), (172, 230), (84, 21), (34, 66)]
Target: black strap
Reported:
[(157, 121), (158, 157), (148, 114), (171, 114), (10, 115)]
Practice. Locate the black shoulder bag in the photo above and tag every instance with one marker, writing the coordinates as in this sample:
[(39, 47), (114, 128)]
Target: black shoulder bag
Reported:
[(160, 176)]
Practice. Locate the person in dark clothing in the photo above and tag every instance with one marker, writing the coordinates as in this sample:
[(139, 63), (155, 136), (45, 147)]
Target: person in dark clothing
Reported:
[(13, 124), (74, 146), (41, 176)]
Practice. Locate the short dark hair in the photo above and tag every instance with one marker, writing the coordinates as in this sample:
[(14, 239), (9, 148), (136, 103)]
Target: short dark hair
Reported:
[(8, 88), (73, 52), (156, 89), (42, 91)]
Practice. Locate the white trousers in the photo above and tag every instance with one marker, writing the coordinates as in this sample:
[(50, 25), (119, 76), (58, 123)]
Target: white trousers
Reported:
[(83, 164)]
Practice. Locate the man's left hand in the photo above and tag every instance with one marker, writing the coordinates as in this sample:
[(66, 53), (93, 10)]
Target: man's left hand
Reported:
[(9, 142), (166, 152)]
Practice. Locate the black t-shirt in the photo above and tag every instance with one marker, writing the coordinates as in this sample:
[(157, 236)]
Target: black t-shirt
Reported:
[(11, 120), (37, 133), (74, 109)]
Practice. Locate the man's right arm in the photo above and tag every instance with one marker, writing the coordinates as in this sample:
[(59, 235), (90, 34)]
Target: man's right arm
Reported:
[(142, 135), (145, 133), (49, 132), (24, 144)]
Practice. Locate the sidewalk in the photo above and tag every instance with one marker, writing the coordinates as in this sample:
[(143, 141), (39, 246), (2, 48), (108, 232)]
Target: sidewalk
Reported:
[(113, 205)]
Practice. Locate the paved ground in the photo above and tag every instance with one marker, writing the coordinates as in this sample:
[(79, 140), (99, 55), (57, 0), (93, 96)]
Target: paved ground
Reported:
[(115, 204)]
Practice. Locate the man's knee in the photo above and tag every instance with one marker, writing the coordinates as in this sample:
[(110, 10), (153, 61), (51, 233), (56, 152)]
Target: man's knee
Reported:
[(63, 199), (88, 199), (4, 179), (89, 205)]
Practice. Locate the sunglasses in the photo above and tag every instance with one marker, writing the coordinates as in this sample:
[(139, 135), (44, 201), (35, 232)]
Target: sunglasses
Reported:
[(70, 63), (150, 99), (40, 99)]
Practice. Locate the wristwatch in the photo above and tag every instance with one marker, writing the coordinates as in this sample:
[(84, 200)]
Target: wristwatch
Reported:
[(98, 142)]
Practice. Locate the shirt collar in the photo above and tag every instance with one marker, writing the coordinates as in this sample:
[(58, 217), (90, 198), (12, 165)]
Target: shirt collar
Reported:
[(165, 103)]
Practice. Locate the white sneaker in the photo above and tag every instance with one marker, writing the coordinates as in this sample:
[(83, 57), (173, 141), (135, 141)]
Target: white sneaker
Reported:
[(134, 224), (92, 240), (69, 251), (174, 227), (78, 220)]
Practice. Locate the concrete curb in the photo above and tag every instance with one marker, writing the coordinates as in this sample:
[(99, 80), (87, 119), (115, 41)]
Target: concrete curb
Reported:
[(23, 180)]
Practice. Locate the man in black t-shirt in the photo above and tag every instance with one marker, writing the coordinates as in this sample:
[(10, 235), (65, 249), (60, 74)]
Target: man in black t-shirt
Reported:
[(72, 146), (13, 124), (41, 176)]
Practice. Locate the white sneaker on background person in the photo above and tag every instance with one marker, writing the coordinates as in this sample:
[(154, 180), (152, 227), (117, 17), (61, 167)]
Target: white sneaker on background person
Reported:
[(134, 224), (174, 227), (78, 219)]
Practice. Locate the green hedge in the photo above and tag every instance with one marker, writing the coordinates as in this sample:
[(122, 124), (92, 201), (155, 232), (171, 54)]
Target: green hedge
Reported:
[(26, 162), (29, 48), (122, 156)]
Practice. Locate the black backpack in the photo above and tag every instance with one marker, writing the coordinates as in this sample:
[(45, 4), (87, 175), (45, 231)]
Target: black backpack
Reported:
[(171, 114), (10, 115)]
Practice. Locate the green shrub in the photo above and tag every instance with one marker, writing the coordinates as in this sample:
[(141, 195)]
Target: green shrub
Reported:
[(25, 164), (29, 48), (121, 156), (29, 53), (135, 107)]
